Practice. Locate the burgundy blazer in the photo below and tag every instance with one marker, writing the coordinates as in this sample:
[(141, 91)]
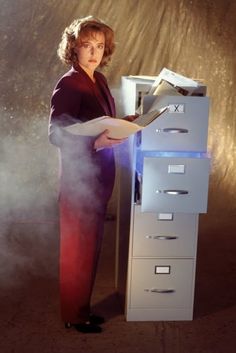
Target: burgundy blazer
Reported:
[(76, 98)]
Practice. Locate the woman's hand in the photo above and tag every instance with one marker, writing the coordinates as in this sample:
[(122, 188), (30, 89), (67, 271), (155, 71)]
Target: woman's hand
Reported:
[(103, 141)]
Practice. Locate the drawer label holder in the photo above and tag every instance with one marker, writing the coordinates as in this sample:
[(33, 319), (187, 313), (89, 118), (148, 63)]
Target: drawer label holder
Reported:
[(162, 270)]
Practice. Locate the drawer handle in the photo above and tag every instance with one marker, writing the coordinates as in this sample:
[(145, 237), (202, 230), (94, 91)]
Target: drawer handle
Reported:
[(155, 290), (162, 237), (165, 237), (175, 192), (173, 130)]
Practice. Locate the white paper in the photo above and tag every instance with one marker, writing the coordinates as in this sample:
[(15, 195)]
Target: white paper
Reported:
[(118, 128), (175, 79)]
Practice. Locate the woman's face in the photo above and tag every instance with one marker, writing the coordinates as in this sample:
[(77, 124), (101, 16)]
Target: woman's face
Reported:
[(90, 51)]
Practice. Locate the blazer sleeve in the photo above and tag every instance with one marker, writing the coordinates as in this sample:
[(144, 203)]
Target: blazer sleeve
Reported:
[(65, 103), (65, 106)]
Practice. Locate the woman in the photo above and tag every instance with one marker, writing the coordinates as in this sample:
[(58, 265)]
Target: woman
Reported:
[(87, 168)]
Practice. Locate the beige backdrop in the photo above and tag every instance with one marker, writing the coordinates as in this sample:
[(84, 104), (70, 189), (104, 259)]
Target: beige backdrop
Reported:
[(193, 37)]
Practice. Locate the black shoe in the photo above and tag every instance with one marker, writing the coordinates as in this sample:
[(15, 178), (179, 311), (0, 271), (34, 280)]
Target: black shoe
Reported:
[(86, 327), (96, 320)]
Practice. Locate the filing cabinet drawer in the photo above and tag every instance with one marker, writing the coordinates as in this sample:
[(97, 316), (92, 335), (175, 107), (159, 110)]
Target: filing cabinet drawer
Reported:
[(164, 235), (133, 91), (184, 127), (175, 184), (161, 283)]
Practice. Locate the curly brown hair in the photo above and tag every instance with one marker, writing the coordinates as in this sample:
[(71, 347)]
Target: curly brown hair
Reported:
[(80, 29)]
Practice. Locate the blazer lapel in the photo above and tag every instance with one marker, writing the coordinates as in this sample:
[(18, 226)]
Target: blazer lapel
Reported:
[(109, 100), (105, 99)]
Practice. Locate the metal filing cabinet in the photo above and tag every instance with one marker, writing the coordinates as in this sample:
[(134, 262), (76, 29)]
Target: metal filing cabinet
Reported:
[(166, 235), (171, 161), (184, 127), (175, 183)]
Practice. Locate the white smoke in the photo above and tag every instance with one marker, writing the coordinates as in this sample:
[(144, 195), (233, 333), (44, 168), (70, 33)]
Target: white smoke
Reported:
[(28, 212), (29, 188)]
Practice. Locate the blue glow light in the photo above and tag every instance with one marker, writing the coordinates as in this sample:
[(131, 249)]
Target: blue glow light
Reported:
[(140, 154)]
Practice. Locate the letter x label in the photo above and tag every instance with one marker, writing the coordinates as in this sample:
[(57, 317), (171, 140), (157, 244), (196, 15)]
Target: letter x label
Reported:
[(176, 108)]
